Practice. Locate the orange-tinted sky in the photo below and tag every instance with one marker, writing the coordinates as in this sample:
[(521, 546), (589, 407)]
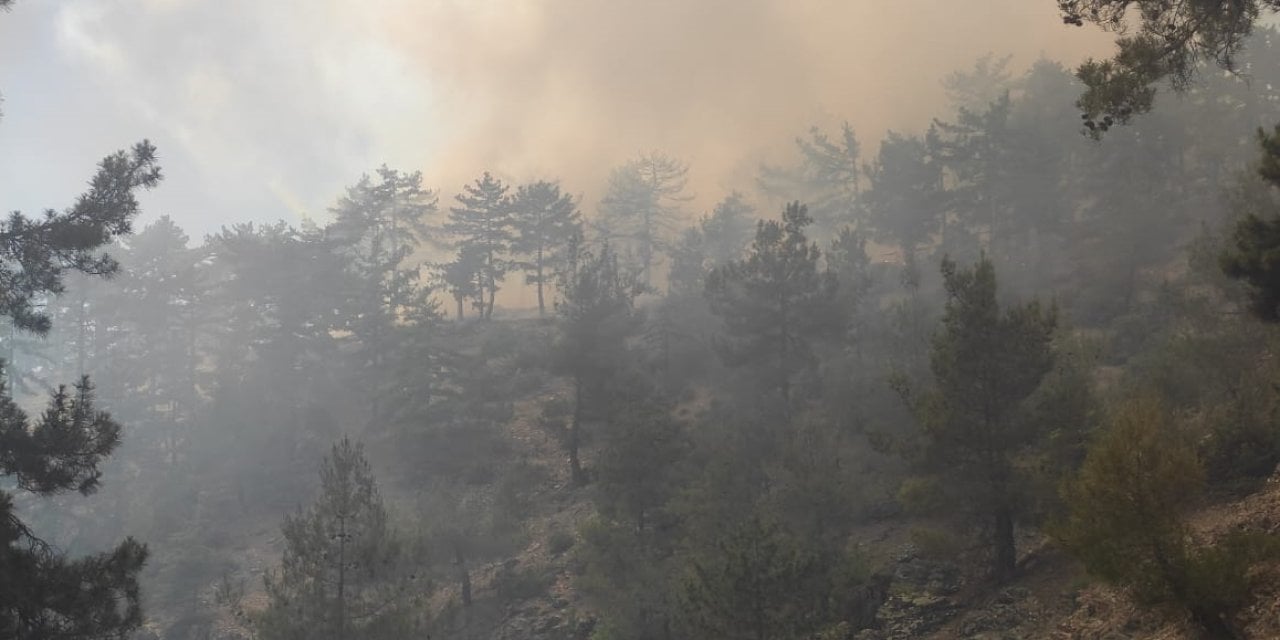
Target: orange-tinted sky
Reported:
[(572, 87)]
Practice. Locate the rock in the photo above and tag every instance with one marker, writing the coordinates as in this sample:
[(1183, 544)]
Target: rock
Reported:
[(914, 615)]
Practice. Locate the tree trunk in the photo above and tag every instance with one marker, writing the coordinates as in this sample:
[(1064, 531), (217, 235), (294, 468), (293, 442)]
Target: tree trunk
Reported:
[(487, 312), (784, 354), (575, 466), (457, 297), (342, 579), (542, 308), (464, 576), (1214, 626), (1006, 553)]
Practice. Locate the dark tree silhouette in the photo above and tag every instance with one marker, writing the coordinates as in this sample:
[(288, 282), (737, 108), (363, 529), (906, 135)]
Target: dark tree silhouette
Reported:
[(43, 593)]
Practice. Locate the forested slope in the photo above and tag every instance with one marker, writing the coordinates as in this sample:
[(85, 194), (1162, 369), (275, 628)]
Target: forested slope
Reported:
[(891, 393)]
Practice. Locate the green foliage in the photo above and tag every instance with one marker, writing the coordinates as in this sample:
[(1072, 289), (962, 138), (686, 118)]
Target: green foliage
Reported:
[(774, 302), (1254, 256), (560, 541), (727, 229), (235, 362), (516, 584), (1242, 439), (1125, 507), (466, 526), (626, 580), (380, 224), (481, 226), (937, 544), (596, 316), (986, 363), (905, 201), (45, 594), (343, 573), (1169, 42), (642, 449), (754, 585), (922, 495), (1125, 521), (762, 582), (829, 177), (545, 222), (816, 479)]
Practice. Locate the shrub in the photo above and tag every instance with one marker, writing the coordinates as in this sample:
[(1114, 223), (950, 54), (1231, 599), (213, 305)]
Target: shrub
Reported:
[(1125, 522), (514, 585), (560, 541), (936, 544)]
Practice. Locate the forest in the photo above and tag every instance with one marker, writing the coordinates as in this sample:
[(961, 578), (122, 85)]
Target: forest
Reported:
[(1012, 374)]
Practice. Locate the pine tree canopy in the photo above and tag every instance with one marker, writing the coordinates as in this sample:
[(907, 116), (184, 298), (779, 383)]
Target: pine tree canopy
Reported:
[(43, 594)]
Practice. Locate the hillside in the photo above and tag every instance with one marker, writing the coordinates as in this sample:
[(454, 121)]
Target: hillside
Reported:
[(530, 593)]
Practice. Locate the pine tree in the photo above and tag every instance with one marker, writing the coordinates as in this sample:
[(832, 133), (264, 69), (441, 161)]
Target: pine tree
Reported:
[(1255, 256), (43, 594), (466, 530), (716, 240), (757, 584), (1170, 43), (905, 204), (728, 229), (343, 574), (829, 177), (482, 228), (459, 278), (642, 203), (596, 316), (145, 324), (545, 219), (986, 363), (276, 302), (378, 227), (642, 448), (775, 302), (688, 272), (977, 88)]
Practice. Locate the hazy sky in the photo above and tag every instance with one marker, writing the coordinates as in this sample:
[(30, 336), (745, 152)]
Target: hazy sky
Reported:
[(266, 109)]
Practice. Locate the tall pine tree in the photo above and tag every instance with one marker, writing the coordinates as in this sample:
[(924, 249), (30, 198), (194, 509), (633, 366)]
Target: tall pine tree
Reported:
[(43, 594), (775, 302), (545, 220), (641, 205), (342, 576), (986, 363), (596, 316), (482, 227)]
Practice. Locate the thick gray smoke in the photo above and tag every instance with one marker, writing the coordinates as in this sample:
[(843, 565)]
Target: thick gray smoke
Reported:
[(269, 108)]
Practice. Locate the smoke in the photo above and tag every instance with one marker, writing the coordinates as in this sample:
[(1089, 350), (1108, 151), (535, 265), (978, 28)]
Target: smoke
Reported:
[(570, 88), (265, 110)]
